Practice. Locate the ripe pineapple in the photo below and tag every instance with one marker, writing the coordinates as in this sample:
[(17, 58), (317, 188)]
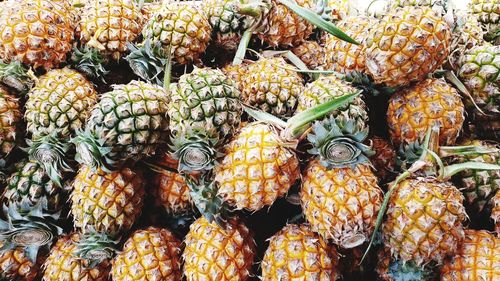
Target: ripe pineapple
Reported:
[(311, 53), (495, 212), (38, 33), (108, 25), (477, 259), (15, 265), (339, 9), (298, 253), (63, 263), (384, 159), (10, 116), (214, 253), (151, 254), (406, 45), (429, 103), (269, 86), (183, 27), (258, 168), (236, 73), (127, 123), (479, 71), (424, 221), (343, 56)]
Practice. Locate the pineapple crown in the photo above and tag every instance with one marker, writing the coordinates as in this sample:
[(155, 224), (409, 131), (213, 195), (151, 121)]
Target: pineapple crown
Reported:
[(339, 143), (89, 62), (90, 150), (95, 247), (148, 61), (363, 81), (408, 271), (16, 76), (29, 227)]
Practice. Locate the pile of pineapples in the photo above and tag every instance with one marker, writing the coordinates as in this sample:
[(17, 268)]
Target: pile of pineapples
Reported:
[(246, 139)]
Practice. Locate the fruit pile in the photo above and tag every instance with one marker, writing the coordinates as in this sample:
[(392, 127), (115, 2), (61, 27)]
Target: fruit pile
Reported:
[(249, 139)]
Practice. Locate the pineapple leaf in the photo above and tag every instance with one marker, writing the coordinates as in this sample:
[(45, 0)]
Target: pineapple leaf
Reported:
[(15, 75), (90, 62), (453, 169), (95, 247), (264, 117)]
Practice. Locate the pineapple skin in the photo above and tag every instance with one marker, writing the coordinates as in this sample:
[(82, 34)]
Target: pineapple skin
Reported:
[(311, 53), (495, 212), (384, 159), (15, 265), (10, 117)]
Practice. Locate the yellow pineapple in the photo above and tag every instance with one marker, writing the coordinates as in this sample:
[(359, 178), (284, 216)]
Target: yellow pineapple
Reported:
[(10, 117), (298, 253), (339, 9), (236, 73), (151, 254), (311, 53), (218, 254), (15, 265)]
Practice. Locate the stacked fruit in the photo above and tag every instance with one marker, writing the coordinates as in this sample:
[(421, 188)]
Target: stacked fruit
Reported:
[(247, 139)]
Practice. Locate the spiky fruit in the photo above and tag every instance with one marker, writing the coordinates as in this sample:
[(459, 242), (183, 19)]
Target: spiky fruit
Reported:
[(406, 45), (38, 33), (384, 159), (236, 73), (495, 212), (414, 110), (15, 265), (343, 56), (106, 202), (181, 27), (108, 25), (477, 258), (478, 186), (488, 11), (129, 122), (258, 168), (10, 116), (467, 34), (341, 204), (328, 88), (298, 253), (389, 269), (233, 246), (311, 53), (271, 87), (424, 221), (480, 72), (29, 184), (63, 263), (59, 103), (339, 9), (151, 254)]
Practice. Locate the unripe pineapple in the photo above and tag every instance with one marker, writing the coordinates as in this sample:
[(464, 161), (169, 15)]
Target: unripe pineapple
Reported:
[(38, 33), (424, 221), (64, 264), (151, 254), (271, 87), (311, 53), (298, 253), (341, 204), (10, 116), (129, 122), (106, 202), (384, 159), (343, 56), (488, 11), (108, 25), (15, 265), (467, 34), (429, 103), (495, 212), (218, 254), (478, 258), (258, 168), (183, 27), (406, 45)]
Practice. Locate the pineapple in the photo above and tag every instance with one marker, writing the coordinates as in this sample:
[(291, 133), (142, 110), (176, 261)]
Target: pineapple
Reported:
[(479, 71), (38, 33), (257, 169), (406, 45), (467, 34), (298, 253), (477, 259), (16, 265), (236, 73), (151, 254), (495, 212), (488, 12), (384, 159), (182, 28), (215, 253), (109, 25), (429, 103), (339, 9), (10, 117), (269, 86), (424, 220), (63, 263), (311, 53), (129, 122)]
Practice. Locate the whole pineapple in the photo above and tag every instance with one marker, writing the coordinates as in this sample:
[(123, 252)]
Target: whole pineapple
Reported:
[(15, 265), (477, 258), (257, 169), (298, 253), (127, 123), (269, 86), (406, 45), (63, 263), (10, 117), (233, 247), (311, 53), (109, 25), (181, 27), (431, 102), (151, 254), (424, 221), (38, 33)]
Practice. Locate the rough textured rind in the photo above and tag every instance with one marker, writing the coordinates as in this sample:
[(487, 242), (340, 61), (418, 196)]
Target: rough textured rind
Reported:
[(10, 116)]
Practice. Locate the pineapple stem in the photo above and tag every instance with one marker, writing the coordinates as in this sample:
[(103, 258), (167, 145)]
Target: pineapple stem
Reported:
[(447, 151), (242, 47), (450, 76), (168, 69)]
